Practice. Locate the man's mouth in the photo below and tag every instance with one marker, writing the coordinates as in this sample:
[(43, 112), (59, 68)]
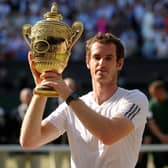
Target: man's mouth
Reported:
[(101, 70)]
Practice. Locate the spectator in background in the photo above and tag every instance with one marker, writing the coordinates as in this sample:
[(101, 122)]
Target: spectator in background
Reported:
[(157, 123), (18, 114), (157, 128), (149, 49), (16, 120), (148, 24), (3, 136), (101, 24), (130, 40), (162, 48)]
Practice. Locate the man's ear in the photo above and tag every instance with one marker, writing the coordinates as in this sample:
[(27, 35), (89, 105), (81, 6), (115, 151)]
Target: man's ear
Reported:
[(120, 63), (87, 62)]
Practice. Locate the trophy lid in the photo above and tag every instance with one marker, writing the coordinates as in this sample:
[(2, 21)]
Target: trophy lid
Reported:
[(52, 28)]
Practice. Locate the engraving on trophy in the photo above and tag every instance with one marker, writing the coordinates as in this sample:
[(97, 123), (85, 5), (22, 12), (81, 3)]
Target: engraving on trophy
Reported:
[(51, 41)]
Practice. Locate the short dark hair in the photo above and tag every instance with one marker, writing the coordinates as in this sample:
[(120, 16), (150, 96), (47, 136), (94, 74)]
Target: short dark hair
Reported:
[(106, 38), (158, 84)]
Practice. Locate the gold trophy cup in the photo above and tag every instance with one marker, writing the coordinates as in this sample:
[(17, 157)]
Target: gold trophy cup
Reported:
[(51, 41)]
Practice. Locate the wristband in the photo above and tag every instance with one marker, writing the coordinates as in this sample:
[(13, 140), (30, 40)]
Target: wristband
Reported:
[(71, 97)]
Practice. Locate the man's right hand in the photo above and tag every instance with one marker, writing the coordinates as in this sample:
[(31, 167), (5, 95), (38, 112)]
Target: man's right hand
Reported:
[(35, 73)]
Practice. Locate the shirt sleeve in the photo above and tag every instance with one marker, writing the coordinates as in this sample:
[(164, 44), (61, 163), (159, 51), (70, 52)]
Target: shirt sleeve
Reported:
[(150, 114), (58, 118), (135, 107)]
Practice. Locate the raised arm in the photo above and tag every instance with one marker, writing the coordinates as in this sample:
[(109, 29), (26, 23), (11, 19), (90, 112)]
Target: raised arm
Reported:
[(34, 131)]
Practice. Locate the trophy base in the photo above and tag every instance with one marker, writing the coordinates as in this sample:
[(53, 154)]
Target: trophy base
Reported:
[(45, 91)]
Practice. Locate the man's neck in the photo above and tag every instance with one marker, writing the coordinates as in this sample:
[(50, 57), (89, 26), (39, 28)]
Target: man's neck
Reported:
[(102, 93)]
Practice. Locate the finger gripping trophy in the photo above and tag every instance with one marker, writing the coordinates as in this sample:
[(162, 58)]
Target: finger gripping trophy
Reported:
[(51, 41)]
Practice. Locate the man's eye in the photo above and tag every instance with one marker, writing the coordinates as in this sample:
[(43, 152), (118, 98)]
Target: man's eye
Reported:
[(108, 58), (97, 58)]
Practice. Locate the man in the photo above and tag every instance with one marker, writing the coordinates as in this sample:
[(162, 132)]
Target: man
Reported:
[(105, 126), (3, 126), (18, 114), (158, 120)]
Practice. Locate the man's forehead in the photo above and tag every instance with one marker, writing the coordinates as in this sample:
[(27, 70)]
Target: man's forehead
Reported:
[(103, 46)]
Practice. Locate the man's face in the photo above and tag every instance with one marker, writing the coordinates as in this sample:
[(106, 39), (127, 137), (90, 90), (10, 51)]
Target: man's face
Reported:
[(103, 64), (157, 94)]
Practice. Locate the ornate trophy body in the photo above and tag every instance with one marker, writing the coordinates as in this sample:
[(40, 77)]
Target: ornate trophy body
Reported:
[(51, 41)]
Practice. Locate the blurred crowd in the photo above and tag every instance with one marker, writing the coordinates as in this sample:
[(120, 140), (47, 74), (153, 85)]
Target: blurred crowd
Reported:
[(142, 25)]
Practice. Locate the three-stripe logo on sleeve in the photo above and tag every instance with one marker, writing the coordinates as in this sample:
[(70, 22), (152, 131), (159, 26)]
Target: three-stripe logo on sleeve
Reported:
[(133, 111)]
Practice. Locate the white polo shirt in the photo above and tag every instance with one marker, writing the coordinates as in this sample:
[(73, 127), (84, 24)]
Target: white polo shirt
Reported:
[(89, 152)]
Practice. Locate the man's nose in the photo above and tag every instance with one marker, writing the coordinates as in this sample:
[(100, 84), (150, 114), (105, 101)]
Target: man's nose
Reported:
[(101, 61)]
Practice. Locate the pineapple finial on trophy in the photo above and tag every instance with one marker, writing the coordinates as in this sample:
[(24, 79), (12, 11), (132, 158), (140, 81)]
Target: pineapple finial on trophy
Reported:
[(53, 14)]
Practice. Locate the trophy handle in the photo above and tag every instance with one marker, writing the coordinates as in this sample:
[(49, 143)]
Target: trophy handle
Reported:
[(26, 31), (77, 29)]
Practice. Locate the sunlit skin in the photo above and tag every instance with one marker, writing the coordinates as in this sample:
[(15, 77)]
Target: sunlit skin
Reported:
[(104, 67)]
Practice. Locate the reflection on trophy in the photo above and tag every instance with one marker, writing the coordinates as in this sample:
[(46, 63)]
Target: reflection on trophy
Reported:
[(51, 41)]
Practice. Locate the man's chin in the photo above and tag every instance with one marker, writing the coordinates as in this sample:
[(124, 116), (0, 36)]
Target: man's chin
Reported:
[(101, 79)]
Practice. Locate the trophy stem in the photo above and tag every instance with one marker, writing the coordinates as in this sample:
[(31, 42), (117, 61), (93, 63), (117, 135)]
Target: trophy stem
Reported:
[(45, 91)]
